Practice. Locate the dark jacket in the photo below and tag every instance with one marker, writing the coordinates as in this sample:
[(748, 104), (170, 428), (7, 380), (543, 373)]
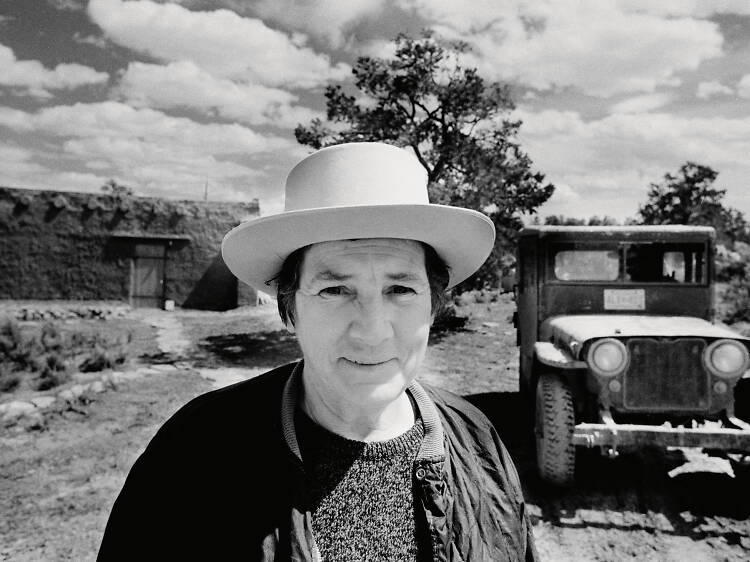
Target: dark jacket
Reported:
[(223, 480)]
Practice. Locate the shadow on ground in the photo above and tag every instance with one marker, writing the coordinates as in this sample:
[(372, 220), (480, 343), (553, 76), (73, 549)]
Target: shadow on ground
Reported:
[(697, 504), (253, 349)]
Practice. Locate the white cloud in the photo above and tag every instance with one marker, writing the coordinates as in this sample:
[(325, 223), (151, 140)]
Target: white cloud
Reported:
[(594, 45), (693, 8), (15, 161), (220, 42), (743, 88), (152, 151), (610, 162), (322, 18), (32, 77), (19, 169), (642, 104), (710, 89), (100, 42), (183, 84), (155, 129)]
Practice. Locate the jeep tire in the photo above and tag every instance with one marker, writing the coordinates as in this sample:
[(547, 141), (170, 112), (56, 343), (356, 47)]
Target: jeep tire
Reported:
[(555, 421)]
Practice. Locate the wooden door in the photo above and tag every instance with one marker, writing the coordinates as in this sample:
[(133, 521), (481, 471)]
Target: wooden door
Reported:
[(147, 279)]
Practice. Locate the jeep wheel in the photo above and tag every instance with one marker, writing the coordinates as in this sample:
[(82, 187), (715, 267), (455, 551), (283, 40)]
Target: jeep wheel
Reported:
[(555, 420)]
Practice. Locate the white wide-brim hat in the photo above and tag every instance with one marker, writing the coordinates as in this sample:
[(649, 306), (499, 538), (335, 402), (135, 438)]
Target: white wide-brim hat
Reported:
[(357, 190)]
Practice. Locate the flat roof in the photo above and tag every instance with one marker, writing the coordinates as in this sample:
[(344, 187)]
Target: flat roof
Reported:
[(680, 228), (672, 232), (150, 236)]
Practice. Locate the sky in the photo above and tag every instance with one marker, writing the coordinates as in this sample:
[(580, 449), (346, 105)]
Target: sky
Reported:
[(186, 98)]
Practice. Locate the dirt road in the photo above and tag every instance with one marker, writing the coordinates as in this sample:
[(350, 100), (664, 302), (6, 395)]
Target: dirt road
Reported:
[(58, 483)]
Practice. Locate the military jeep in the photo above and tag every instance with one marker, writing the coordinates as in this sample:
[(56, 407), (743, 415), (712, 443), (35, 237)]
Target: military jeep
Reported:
[(618, 348)]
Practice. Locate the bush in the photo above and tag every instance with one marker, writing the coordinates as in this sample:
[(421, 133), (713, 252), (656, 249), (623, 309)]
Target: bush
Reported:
[(448, 320), (9, 379), (53, 372), (46, 359), (736, 299), (51, 337), (15, 348), (101, 359)]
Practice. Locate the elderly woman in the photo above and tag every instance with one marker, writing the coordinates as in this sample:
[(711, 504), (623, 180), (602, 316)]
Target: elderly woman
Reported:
[(342, 455)]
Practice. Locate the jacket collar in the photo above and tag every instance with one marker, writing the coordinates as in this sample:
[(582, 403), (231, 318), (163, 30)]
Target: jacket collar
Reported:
[(432, 445)]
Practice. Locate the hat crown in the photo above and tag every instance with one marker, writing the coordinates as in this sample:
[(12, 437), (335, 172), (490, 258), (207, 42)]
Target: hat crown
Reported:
[(355, 174)]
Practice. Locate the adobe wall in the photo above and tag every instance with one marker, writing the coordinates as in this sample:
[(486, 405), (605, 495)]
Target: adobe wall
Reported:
[(64, 245)]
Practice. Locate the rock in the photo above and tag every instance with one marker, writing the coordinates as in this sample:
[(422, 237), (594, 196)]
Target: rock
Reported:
[(43, 401), (164, 368), (78, 389), (33, 421), (97, 386), (67, 396), (17, 409), (108, 381), (491, 324)]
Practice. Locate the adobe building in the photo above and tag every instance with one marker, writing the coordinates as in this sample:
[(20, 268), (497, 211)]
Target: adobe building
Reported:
[(98, 246)]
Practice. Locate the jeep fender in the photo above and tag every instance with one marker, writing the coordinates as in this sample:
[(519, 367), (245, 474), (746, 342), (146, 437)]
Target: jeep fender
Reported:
[(549, 354)]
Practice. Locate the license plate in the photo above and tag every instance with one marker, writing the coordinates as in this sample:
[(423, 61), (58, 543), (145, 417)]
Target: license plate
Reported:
[(624, 299)]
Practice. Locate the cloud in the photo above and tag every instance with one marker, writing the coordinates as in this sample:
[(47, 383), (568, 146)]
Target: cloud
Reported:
[(100, 42), (220, 42), (692, 8), (743, 88), (710, 89), (642, 104), (69, 5), (598, 46), (31, 76), (164, 155), (119, 121), (328, 19), (183, 84), (609, 162)]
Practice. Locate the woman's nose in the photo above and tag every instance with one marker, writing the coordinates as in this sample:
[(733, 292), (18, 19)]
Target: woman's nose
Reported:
[(371, 324)]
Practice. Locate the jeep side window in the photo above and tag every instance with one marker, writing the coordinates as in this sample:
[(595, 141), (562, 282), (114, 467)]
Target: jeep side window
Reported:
[(664, 263), (586, 265)]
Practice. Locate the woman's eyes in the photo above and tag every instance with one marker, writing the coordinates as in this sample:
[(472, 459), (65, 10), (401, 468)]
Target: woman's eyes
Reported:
[(333, 291), (340, 290), (401, 290)]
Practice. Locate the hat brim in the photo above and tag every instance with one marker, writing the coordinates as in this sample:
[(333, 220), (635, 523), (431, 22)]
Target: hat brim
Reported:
[(255, 251)]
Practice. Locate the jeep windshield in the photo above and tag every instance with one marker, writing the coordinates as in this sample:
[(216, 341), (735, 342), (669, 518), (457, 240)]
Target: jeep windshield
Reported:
[(629, 263)]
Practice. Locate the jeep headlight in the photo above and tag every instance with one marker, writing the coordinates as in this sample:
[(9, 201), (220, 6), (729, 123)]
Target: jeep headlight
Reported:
[(607, 357), (726, 358)]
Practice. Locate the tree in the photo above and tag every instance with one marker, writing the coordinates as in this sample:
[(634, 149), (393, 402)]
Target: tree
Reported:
[(456, 123), (571, 221), (689, 197), (117, 190)]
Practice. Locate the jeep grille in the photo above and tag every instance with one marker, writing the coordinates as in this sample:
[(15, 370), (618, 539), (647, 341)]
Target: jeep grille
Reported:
[(666, 374)]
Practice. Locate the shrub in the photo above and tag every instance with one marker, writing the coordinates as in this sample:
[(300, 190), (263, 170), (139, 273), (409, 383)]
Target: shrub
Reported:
[(9, 379), (101, 359), (736, 299), (448, 320), (46, 358), (51, 338), (15, 347), (53, 372)]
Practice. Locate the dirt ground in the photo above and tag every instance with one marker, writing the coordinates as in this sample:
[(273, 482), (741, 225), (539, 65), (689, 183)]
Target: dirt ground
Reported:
[(58, 481)]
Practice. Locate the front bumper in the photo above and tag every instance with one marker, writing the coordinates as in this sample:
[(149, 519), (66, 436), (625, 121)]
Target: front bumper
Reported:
[(612, 435)]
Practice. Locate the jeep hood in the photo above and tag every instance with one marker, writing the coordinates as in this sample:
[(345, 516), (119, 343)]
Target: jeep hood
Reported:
[(580, 328)]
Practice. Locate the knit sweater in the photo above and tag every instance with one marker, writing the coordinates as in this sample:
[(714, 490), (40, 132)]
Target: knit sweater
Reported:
[(361, 493)]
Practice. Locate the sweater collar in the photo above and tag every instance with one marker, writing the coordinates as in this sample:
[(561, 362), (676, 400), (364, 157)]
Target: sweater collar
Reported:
[(432, 445)]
